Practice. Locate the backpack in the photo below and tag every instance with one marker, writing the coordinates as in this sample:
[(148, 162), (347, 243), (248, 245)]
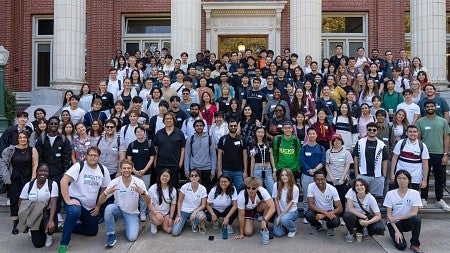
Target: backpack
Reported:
[(99, 165), (403, 85), (49, 182), (402, 146), (118, 140), (258, 193), (209, 144), (278, 140), (118, 81)]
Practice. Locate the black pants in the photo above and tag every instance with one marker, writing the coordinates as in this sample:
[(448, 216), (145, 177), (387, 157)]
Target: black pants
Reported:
[(15, 188), (38, 237), (412, 224), (310, 216), (342, 190), (223, 214), (439, 177), (205, 177), (59, 201), (352, 221)]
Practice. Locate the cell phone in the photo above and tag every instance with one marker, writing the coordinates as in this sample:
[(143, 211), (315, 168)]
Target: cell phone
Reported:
[(211, 238), (263, 174)]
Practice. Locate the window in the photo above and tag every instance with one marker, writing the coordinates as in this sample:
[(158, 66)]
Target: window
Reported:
[(152, 33), (42, 51), (348, 30)]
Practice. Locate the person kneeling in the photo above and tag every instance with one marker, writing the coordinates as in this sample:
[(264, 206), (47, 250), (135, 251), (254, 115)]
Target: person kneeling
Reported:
[(402, 207), (126, 190), (362, 212), (254, 199), (321, 197)]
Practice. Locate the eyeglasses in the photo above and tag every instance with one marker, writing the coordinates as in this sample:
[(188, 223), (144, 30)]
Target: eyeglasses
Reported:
[(92, 155), (198, 125), (279, 110), (372, 129), (251, 188), (193, 175), (109, 127), (232, 125)]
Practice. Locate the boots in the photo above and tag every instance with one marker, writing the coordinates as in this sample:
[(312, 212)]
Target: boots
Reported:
[(15, 230)]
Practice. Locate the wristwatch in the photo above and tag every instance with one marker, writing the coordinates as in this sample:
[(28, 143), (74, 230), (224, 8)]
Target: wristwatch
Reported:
[(143, 193)]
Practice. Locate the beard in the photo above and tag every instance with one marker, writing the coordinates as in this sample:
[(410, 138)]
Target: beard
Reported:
[(430, 112), (194, 114)]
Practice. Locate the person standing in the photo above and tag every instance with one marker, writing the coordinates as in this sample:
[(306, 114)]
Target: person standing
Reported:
[(87, 181), (234, 149), (9, 136), (127, 191), (434, 132)]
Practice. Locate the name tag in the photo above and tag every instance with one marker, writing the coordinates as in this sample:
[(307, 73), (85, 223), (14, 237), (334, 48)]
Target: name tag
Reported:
[(237, 143), (340, 159), (385, 139), (104, 97), (188, 110), (135, 151), (58, 154), (242, 93), (427, 128), (227, 103), (273, 106), (438, 106), (307, 153), (32, 196), (280, 126), (114, 149), (259, 96), (416, 152), (329, 103), (179, 119), (87, 143)]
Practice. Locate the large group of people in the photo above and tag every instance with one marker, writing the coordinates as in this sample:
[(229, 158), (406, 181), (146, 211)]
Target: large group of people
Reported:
[(249, 134)]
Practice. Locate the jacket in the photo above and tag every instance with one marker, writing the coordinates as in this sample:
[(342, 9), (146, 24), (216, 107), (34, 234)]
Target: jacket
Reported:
[(30, 214), (5, 164), (9, 137), (57, 157)]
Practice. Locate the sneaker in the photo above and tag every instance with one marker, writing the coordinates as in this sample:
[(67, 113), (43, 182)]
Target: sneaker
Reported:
[(111, 241), (60, 218), (194, 228), (416, 249), (215, 225), (424, 203), (60, 226), (441, 203), (330, 232), (315, 230), (48, 241), (153, 229), (305, 221), (349, 237), (342, 222), (365, 233), (230, 229), (265, 236), (143, 216), (202, 227), (62, 248), (292, 234)]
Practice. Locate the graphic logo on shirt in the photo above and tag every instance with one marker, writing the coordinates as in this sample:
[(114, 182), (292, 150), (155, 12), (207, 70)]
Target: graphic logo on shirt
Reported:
[(287, 151), (92, 180)]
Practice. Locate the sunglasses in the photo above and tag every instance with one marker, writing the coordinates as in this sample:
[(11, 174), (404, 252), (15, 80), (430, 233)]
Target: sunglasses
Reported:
[(193, 175), (233, 125), (109, 127), (251, 188), (372, 130)]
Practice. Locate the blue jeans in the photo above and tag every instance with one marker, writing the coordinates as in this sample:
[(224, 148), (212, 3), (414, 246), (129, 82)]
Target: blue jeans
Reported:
[(306, 180), (88, 225), (237, 177), (268, 178), (178, 227), (131, 221), (287, 222), (142, 205)]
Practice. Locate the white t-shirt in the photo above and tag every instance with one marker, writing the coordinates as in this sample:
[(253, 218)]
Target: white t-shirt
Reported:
[(164, 208), (153, 109), (401, 206), (113, 88), (282, 201), (42, 195), (86, 184), (410, 110), (369, 203), (252, 205), (222, 201), (337, 162), (192, 200), (125, 140), (127, 198), (178, 87), (323, 200), (411, 151), (76, 115)]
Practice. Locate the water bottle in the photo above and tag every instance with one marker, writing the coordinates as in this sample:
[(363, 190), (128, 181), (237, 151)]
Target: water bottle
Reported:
[(265, 236), (224, 232)]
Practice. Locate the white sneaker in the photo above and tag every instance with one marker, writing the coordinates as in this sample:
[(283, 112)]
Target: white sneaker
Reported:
[(424, 203), (292, 234), (305, 221), (48, 241), (143, 216), (60, 218), (230, 229), (153, 229), (342, 222), (441, 203)]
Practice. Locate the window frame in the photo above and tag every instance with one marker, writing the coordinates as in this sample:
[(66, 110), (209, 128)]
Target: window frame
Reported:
[(36, 41)]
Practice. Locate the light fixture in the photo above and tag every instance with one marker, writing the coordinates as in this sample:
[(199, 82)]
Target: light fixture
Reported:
[(4, 55), (241, 48)]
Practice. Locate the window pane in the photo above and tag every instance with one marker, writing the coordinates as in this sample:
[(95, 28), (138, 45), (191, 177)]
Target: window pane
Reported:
[(408, 23), (332, 47), (353, 46), (148, 26), (448, 24), (342, 25), (43, 65), (131, 47), (45, 27)]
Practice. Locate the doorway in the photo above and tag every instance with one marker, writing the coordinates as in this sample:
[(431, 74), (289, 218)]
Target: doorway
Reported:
[(230, 43)]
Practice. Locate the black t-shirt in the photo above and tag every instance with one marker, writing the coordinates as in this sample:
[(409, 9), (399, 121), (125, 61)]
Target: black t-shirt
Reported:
[(140, 154), (180, 117), (371, 147), (232, 157), (169, 147), (255, 100)]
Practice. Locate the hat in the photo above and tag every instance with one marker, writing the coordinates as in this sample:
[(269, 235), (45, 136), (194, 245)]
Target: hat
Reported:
[(287, 122), (241, 66), (337, 136)]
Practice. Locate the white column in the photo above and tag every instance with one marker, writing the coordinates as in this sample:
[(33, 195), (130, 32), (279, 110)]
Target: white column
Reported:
[(306, 28), (186, 28), (428, 36), (69, 44)]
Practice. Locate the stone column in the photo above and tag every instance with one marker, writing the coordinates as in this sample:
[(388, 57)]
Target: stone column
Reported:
[(306, 28), (186, 28), (428, 37), (69, 44)]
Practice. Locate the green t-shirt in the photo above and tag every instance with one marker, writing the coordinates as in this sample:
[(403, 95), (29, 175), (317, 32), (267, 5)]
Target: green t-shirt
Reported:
[(288, 155), (391, 101), (432, 133)]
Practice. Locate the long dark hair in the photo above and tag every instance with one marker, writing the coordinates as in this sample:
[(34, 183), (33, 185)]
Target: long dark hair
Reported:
[(229, 191), (295, 102), (348, 116), (255, 139), (244, 118), (159, 189)]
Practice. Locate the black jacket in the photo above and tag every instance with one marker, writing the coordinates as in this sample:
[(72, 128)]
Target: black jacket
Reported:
[(9, 137), (57, 157)]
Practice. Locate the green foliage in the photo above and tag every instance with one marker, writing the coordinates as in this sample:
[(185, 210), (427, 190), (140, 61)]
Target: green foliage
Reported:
[(10, 106)]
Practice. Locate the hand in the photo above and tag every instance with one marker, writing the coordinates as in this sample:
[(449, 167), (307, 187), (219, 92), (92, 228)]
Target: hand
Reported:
[(278, 220), (330, 215), (50, 227), (244, 175), (392, 219), (170, 221), (177, 219), (213, 174), (239, 237), (274, 175), (341, 181), (192, 218), (398, 237), (73, 202), (160, 217), (364, 223), (311, 172), (444, 160), (320, 216), (263, 224), (136, 173), (423, 184), (333, 179), (138, 189), (186, 175), (95, 211), (111, 190), (214, 217), (219, 173), (226, 221)]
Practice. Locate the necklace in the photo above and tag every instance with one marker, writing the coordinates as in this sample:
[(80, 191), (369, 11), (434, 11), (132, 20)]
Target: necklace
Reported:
[(262, 151)]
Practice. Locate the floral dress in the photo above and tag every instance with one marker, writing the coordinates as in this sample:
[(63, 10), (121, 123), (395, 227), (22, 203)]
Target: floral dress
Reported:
[(80, 148)]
